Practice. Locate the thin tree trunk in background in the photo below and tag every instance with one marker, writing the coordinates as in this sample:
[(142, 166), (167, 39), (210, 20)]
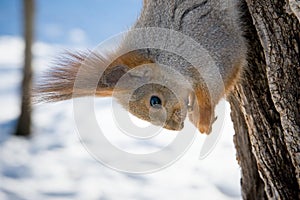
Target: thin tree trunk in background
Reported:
[(266, 103), (23, 127)]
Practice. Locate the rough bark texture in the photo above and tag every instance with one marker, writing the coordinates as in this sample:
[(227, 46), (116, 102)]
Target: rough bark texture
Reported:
[(23, 127), (265, 105)]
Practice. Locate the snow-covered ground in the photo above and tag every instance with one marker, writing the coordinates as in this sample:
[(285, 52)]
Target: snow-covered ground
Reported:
[(53, 164)]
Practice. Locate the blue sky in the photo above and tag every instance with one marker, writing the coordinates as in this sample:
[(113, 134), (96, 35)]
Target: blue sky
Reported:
[(58, 20)]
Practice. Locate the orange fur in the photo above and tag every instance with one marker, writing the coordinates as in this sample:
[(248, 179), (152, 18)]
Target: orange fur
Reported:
[(58, 84)]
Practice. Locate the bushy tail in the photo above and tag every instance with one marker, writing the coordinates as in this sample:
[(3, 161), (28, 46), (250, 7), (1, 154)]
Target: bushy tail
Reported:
[(58, 83)]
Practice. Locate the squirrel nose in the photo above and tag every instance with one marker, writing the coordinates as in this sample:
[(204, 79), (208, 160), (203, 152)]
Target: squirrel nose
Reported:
[(174, 126)]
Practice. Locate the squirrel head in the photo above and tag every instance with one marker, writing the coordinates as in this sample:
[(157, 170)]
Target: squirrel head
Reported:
[(150, 91), (154, 93)]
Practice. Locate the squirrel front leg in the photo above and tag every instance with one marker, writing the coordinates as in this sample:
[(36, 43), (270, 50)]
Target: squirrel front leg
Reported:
[(201, 113)]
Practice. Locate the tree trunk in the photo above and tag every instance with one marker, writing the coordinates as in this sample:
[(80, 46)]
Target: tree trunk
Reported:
[(266, 104), (23, 127)]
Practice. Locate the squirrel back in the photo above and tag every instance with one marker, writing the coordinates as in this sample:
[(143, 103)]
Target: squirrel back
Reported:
[(164, 97)]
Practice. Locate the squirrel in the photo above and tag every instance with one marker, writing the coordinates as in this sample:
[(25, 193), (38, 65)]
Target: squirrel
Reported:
[(214, 24)]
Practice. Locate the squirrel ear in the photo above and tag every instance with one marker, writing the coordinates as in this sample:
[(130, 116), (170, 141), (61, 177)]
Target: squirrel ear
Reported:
[(142, 74), (130, 64), (123, 78), (112, 75)]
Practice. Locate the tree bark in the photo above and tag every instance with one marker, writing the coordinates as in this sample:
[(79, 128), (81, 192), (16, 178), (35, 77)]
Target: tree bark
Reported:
[(23, 127), (265, 104)]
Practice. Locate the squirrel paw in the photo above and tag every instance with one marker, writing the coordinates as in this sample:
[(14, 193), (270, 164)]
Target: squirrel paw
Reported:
[(204, 121)]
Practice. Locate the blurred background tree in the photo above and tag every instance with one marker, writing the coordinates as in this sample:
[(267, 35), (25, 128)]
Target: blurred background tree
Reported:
[(24, 122)]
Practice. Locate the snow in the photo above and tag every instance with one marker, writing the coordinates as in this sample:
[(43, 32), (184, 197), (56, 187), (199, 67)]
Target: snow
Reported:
[(53, 163)]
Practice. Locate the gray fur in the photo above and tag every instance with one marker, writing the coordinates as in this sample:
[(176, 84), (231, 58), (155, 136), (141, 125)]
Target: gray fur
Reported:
[(213, 24)]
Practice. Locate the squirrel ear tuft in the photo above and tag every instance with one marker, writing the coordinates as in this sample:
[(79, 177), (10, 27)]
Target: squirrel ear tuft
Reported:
[(112, 75), (122, 76), (142, 73), (128, 64)]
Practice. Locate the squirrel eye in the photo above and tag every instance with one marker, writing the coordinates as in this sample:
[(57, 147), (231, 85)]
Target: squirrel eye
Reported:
[(155, 102)]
